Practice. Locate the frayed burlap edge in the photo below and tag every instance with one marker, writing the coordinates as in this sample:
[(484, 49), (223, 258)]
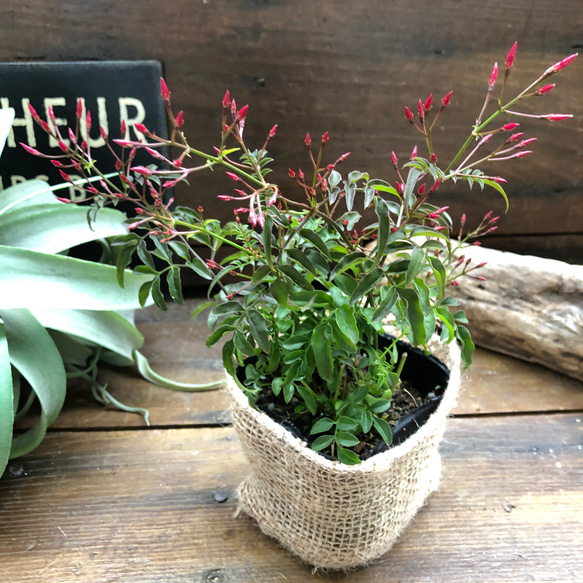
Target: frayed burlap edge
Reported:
[(331, 515)]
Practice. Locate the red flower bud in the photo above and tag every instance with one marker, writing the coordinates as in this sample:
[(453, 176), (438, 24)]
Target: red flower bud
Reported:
[(79, 108), (526, 142), (56, 164), (140, 127), (499, 179), (433, 158), (31, 150), (510, 126), (51, 113), (409, 114), (515, 137), (62, 146), (420, 110), (88, 120), (291, 173), (232, 176), (422, 189), (308, 140), (65, 176), (463, 220), (325, 138), (123, 127), (394, 159), (141, 170), (272, 131), (510, 57), (414, 153), (227, 100), (103, 132), (399, 187)]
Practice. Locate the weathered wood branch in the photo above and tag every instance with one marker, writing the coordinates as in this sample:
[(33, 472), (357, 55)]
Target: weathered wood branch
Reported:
[(528, 307)]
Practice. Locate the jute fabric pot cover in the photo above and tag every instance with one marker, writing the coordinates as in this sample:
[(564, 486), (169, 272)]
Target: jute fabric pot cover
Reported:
[(331, 515)]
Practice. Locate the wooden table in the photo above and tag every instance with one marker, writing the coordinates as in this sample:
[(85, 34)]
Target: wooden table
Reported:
[(106, 499)]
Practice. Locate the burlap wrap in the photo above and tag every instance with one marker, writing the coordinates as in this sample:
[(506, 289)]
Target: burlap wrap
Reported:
[(331, 515)]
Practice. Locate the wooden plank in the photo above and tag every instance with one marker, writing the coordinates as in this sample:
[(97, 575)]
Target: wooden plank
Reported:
[(567, 248), (149, 506), (311, 67)]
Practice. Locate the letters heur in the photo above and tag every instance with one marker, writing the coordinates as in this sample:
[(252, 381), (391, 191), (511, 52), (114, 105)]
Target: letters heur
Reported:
[(131, 109)]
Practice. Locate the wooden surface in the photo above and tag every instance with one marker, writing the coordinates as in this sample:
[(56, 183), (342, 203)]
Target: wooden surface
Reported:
[(106, 499), (349, 68)]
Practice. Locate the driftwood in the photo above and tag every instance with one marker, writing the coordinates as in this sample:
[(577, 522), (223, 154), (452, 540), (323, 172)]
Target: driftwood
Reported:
[(528, 307)]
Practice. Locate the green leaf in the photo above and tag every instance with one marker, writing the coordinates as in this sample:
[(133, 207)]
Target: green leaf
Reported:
[(347, 323), (6, 400), (315, 239), (30, 344), (174, 284), (259, 329), (468, 346), (52, 228), (497, 187), (260, 274), (347, 262), (224, 309), (347, 457), (346, 424), (346, 439), (384, 429), (322, 352), (228, 357), (297, 277), (439, 273), (382, 211), (279, 291), (301, 258), (309, 398), (201, 308), (29, 279), (386, 304), (369, 281), (104, 328), (322, 425), (322, 442), (415, 264), (415, 315), (157, 295), (266, 235)]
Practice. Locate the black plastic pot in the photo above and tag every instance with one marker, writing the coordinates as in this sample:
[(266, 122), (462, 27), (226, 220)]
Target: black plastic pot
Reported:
[(423, 371)]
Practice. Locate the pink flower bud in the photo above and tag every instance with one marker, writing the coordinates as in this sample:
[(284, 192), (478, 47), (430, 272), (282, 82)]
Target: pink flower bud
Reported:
[(445, 101), (463, 220), (123, 127), (409, 114), (394, 159), (325, 138), (515, 137), (344, 156), (164, 92), (558, 116), (510, 126), (422, 189), (414, 153), (301, 175), (399, 187), (223, 197), (420, 110), (427, 104), (88, 120), (232, 176), (526, 142), (499, 179), (45, 126), (272, 131), (140, 127), (31, 150), (123, 143), (545, 89), (493, 76), (65, 176), (51, 113), (564, 63), (61, 199), (56, 164), (141, 170), (243, 112), (485, 139), (169, 184), (92, 190), (226, 100), (103, 132), (433, 158), (308, 140), (63, 146), (291, 173), (33, 112), (510, 57), (79, 108), (71, 135)]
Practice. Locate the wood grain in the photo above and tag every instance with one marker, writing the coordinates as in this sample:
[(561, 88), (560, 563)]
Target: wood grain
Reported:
[(310, 66), (145, 506)]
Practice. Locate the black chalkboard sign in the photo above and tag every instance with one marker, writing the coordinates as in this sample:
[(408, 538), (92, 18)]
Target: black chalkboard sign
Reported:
[(112, 91)]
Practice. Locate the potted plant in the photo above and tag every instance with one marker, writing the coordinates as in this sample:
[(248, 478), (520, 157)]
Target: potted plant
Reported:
[(60, 317), (333, 307)]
